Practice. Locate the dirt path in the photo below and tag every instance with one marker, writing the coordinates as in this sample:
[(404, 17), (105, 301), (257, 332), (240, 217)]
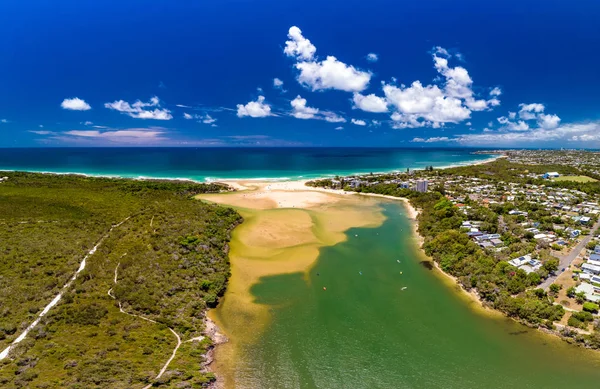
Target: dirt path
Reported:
[(56, 299), (166, 365)]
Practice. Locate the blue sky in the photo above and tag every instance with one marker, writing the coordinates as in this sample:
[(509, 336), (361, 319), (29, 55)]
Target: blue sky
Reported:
[(201, 73)]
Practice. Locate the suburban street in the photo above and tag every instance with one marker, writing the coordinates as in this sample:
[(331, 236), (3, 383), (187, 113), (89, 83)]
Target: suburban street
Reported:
[(566, 260)]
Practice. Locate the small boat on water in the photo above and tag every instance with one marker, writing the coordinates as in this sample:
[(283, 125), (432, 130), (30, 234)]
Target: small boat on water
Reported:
[(324, 288), (404, 288)]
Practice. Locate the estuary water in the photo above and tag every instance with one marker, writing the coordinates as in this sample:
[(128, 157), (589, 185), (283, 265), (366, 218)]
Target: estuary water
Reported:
[(372, 314), (206, 164)]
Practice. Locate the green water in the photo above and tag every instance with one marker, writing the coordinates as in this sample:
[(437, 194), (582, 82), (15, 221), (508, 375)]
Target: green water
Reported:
[(364, 331)]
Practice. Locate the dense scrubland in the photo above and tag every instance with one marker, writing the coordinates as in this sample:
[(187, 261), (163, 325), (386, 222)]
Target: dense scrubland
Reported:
[(170, 257)]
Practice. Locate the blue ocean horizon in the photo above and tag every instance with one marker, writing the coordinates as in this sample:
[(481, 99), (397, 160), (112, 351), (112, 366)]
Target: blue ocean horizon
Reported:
[(214, 164)]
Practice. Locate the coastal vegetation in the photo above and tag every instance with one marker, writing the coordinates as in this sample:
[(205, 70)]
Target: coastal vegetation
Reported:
[(166, 263)]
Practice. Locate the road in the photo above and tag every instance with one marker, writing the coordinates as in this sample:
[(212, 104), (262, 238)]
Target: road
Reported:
[(566, 260)]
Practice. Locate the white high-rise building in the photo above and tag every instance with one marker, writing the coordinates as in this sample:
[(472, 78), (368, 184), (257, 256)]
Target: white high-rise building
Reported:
[(421, 186)]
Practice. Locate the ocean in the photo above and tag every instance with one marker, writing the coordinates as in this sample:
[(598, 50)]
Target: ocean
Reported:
[(211, 164)]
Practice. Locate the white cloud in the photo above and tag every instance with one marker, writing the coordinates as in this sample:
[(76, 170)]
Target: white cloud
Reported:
[(129, 136), (298, 46), (332, 74), (572, 132), (207, 119), (332, 117), (138, 110), (4, 121), (359, 122), (277, 83), (370, 103), (496, 92), (254, 109), (548, 121), (529, 111), (326, 74), (301, 111), (372, 57), (339, 128), (75, 104), (88, 123), (432, 139), (419, 106), (509, 125)]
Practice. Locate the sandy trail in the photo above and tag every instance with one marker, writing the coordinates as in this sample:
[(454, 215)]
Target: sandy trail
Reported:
[(166, 365), (56, 299)]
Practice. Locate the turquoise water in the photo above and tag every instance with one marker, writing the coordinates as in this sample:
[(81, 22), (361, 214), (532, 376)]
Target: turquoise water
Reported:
[(386, 321), (206, 164)]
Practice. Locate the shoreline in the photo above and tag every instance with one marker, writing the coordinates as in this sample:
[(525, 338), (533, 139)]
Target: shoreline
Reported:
[(209, 180)]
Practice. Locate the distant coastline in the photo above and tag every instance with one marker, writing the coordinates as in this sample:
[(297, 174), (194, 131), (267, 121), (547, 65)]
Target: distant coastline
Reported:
[(209, 179)]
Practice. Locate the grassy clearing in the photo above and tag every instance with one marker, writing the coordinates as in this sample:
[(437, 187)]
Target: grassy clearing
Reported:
[(575, 179), (172, 256)]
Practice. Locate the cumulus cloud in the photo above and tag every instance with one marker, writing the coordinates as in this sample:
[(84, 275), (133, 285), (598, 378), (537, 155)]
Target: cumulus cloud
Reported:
[(332, 117), (298, 46), (370, 103), (529, 111), (75, 104), (548, 121), (359, 122), (507, 124), (496, 92), (372, 57), (452, 101), (141, 110), (301, 111), (325, 74), (332, 74), (419, 106), (278, 84), (254, 109)]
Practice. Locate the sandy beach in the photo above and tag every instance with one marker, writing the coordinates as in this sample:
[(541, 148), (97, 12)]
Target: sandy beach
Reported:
[(296, 194)]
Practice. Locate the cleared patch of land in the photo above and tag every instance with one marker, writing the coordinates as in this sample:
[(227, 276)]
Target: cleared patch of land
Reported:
[(575, 179)]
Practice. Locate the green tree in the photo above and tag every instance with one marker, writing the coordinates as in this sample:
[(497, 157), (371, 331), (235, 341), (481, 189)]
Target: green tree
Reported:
[(590, 307), (555, 288)]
